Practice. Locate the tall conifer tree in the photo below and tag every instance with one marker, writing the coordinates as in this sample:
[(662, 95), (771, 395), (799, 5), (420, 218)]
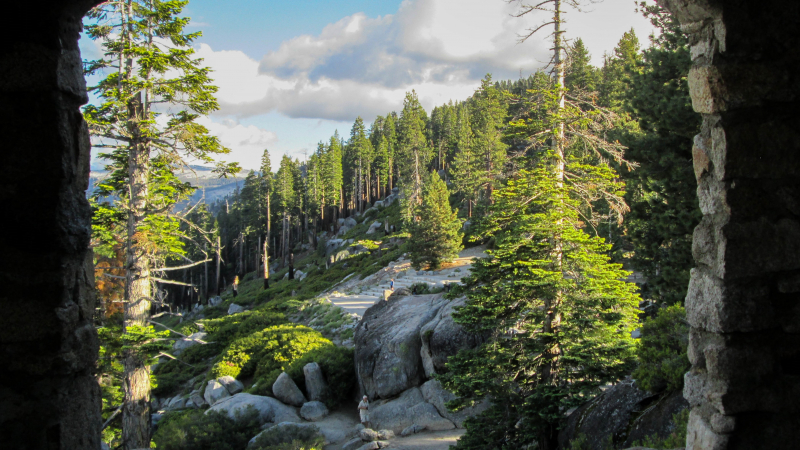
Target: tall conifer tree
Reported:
[(150, 61)]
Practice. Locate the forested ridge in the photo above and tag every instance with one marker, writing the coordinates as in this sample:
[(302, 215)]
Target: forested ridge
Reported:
[(572, 177)]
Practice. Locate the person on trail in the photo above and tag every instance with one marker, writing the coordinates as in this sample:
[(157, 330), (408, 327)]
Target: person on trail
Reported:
[(363, 411), (236, 286), (391, 284)]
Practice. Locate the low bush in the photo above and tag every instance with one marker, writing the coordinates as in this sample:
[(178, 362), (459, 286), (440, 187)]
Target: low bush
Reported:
[(229, 328), (262, 352), (662, 351), (289, 437), (194, 430), (420, 288), (337, 366)]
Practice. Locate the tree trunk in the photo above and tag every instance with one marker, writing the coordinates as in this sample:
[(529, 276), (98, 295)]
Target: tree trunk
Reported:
[(266, 263), (219, 257), (552, 320), (205, 269), (136, 409)]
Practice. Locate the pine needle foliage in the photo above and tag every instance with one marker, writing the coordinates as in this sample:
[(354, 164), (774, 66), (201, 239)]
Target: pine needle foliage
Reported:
[(436, 234), (532, 374)]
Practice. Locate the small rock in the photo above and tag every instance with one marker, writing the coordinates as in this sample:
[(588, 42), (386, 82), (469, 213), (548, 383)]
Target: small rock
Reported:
[(197, 399), (214, 301), (382, 444), (370, 446), (182, 344), (286, 391), (232, 385), (353, 444), (234, 308), (368, 435), (313, 411), (176, 403), (215, 392), (385, 434), (413, 429)]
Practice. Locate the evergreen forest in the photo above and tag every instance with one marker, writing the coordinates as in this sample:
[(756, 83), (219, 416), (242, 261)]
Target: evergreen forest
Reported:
[(576, 181)]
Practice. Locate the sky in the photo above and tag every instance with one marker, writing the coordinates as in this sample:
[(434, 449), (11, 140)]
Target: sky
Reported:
[(291, 73)]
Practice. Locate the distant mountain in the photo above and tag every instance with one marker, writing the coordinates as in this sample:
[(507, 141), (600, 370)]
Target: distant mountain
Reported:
[(209, 186)]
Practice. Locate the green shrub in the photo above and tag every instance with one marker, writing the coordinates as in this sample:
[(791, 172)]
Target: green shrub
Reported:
[(337, 366), (267, 350), (289, 437), (662, 351), (676, 439), (226, 329), (194, 430), (420, 288)]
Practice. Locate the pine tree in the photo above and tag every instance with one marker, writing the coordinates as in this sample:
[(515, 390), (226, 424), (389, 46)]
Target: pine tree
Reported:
[(557, 328), (467, 162), (580, 74), (414, 151), (487, 111), (547, 277), (436, 234), (151, 62)]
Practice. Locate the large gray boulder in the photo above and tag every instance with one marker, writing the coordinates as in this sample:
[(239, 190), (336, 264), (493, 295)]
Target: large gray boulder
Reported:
[(215, 301), (438, 396), (232, 385), (353, 444), (313, 411), (623, 413), (182, 344), (388, 343), (316, 387), (234, 308), (442, 338), (407, 410), (215, 392), (350, 222), (426, 415), (286, 391), (394, 415), (269, 409)]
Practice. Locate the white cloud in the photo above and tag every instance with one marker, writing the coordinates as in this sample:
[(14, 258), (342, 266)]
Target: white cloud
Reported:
[(247, 142), (363, 66)]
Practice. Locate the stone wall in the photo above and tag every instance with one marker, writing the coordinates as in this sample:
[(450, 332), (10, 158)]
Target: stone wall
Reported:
[(743, 301), (48, 396)]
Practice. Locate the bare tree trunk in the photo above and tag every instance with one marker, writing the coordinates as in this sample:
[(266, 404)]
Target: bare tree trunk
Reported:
[(552, 305), (205, 280), (136, 409), (219, 257), (266, 263)]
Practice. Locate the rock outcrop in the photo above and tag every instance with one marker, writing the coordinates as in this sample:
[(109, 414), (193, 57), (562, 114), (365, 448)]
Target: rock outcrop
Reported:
[(442, 338), (269, 409), (388, 343), (234, 308), (287, 391), (438, 396), (407, 410), (624, 413)]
